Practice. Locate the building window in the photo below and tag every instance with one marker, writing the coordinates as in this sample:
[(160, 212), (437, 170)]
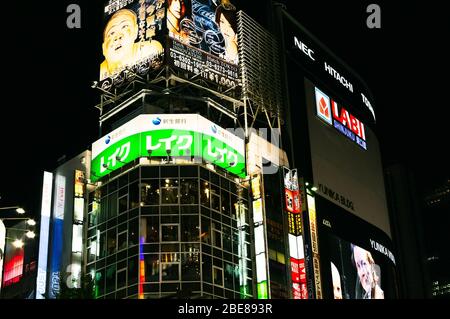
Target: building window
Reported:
[(151, 268), (189, 191), (150, 192), (121, 278), (111, 241), (123, 204), (190, 267), (150, 229), (133, 230), (206, 231), (216, 235), (217, 276), (112, 209), (205, 193), (169, 232), (122, 240), (189, 228), (170, 271), (110, 278), (169, 191)]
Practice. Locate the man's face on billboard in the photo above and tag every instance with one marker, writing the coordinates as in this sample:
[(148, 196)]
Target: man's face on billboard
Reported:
[(120, 34), (364, 267)]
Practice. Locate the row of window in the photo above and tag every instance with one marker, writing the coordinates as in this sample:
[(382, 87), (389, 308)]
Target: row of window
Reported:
[(160, 268), (169, 235), (151, 193)]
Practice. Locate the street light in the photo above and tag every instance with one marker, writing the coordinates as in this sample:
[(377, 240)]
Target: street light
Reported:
[(30, 234), (18, 209), (18, 243)]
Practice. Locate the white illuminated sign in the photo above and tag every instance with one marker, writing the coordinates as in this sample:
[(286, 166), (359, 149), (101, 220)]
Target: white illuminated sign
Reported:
[(44, 233)]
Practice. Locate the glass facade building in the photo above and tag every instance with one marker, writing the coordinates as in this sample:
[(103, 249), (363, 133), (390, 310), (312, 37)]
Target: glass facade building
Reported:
[(161, 231)]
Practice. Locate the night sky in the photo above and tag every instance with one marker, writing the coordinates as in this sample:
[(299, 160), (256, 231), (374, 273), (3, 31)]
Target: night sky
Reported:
[(48, 105)]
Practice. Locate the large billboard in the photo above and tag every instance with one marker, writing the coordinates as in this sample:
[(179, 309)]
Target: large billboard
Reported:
[(345, 157), (132, 39), (203, 39), (163, 135), (357, 259)]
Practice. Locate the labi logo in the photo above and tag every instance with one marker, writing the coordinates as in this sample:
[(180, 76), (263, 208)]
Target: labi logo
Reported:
[(156, 121), (323, 106), (107, 140), (214, 129)]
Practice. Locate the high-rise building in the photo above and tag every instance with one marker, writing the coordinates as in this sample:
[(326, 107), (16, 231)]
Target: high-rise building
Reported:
[(235, 160)]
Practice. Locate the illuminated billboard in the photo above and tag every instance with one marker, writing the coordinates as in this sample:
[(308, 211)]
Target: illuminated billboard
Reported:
[(13, 259), (355, 273), (177, 135), (57, 235), (357, 259), (346, 170), (342, 120), (2, 248), (132, 39), (44, 235), (203, 39)]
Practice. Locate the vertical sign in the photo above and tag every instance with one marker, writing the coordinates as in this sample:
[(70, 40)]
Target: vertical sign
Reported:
[(294, 206), (2, 248), (57, 239), (43, 235), (314, 245)]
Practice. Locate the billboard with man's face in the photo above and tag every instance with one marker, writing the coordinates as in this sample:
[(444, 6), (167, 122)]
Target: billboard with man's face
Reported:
[(132, 40)]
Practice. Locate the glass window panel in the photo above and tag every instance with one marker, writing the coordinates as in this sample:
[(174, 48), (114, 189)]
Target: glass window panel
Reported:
[(151, 268), (170, 271), (111, 241), (121, 278), (169, 195), (206, 230), (190, 267), (123, 204), (122, 240), (225, 203), (133, 230), (189, 191), (134, 195), (132, 270), (206, 268), (111, 278), (205, 193), (150, 229), (112, 209), (100, 282), (226, 238), (169, 233), (218, 276), (189, 228), (150, 192)]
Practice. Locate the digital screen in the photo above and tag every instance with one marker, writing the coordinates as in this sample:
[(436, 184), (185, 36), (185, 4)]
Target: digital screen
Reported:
[(132, 39), (204, 39), (355, 273)]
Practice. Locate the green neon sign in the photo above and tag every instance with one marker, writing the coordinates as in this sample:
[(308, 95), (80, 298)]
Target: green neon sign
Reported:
[(180, 142)]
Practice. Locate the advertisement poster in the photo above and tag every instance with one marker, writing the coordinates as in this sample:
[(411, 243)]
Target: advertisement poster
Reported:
[(204, 41), (132, 40)]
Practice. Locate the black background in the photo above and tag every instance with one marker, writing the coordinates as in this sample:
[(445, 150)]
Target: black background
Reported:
[(48, 105)]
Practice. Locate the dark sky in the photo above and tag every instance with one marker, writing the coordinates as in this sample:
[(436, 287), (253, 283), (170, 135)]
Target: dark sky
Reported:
[(48, 104)]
